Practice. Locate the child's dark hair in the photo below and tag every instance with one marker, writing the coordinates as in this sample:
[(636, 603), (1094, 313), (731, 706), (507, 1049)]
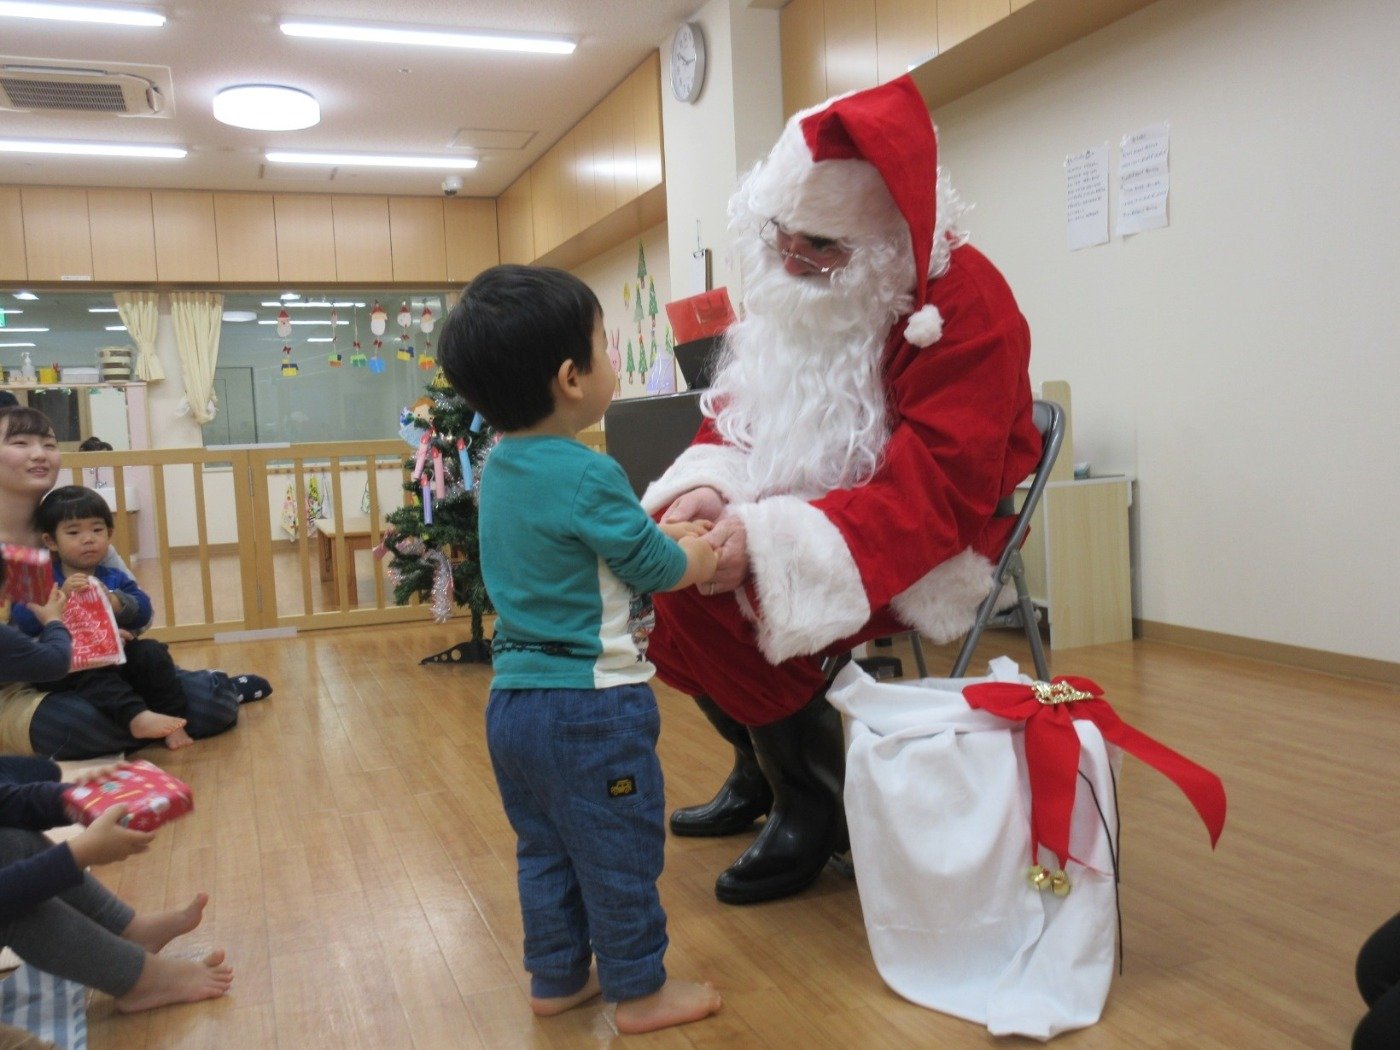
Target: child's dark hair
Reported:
[(21, 419), (94, 444), (69, 503), (504, 341)]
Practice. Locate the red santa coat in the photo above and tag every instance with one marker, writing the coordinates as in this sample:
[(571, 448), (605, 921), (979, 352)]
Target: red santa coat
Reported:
[(912, 547)]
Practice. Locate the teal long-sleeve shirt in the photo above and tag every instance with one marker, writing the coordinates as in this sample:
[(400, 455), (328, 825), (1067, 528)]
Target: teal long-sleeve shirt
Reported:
[(569, 559)]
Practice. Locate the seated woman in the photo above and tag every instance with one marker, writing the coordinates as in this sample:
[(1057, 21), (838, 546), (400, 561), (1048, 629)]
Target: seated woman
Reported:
[(59, 724)]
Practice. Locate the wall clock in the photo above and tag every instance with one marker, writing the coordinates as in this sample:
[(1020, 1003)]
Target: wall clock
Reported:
[(687, 62)]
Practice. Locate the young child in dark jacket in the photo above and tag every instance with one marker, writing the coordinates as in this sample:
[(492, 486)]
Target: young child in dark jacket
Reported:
[(62, 920), (144, 695)]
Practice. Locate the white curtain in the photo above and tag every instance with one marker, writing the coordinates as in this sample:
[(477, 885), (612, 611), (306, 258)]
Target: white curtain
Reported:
[(138, 312), (198, 318)]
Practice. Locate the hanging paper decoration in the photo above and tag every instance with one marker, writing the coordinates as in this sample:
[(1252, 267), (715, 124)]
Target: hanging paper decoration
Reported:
[(427, 500), (641, 264), (439, 475), (477, 422), (289, 367), (357, 355), (284, 323), (440, 381), (334, 360), (442, 574), (426, 322), (405, 351), (405, 318), (465, 462), (427, 364), (377, 319), (376, 363)]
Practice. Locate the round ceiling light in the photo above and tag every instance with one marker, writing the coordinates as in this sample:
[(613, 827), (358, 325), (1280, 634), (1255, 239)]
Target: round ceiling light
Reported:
[(266, 107)]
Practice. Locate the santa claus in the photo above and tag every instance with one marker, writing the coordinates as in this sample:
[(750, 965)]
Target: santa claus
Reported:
[(868, 414)]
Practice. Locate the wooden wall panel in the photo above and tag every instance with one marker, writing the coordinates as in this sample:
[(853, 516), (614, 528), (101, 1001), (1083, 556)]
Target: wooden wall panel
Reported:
[(905, 31), (802, 28), (305, 237), (850, 45), (472, 237), (122, 231), (187, 241), (246, 226), (418, 239), (645, 89), (960, 19), (56, 240), (12, 264), (363, 247), (515, 217)]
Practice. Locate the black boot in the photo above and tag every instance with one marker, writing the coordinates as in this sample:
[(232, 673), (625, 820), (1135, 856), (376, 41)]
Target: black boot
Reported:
[(741, 799), (804, 758)]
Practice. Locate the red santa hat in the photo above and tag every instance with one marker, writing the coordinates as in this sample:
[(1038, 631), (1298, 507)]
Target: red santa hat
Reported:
[(889, 127)]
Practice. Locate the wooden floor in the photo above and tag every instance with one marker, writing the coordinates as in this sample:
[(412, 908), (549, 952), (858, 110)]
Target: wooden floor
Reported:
[(362, 870)]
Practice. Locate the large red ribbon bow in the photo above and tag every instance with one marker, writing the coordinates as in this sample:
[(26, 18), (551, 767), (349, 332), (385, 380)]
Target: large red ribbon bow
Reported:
[(1048, 710)]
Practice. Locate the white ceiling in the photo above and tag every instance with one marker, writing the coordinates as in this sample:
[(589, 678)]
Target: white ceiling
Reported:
[(373, 99)]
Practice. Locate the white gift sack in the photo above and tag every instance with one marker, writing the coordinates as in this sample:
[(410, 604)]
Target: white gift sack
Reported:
[(938, 804)]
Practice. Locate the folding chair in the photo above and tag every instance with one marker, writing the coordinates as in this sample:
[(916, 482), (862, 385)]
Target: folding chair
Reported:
[(1050, 421)]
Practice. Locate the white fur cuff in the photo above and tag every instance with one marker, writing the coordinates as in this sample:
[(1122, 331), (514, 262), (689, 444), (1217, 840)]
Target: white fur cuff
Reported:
[(809, 590), (925, 326), (943, 603), (721, 467)]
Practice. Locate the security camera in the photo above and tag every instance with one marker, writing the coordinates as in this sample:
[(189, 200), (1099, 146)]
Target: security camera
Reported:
[(452, 185)]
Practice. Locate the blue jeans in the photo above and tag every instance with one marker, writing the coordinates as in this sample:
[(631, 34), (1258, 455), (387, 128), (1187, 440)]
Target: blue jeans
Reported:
[(581, 784)]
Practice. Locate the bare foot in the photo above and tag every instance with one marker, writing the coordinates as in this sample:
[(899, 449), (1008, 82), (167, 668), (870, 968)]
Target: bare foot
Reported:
[(178, 739), (550, 1007), (678, 1002), (154, 932), (149, 725), (165, 980)]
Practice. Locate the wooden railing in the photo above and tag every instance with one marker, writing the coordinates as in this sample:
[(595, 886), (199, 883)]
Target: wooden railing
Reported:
[(204, 531)]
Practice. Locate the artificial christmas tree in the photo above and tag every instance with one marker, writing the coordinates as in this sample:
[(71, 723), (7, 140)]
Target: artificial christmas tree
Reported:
[(433, 540)]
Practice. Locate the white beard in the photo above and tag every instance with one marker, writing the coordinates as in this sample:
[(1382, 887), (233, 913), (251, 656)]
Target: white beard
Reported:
[(799, 384)]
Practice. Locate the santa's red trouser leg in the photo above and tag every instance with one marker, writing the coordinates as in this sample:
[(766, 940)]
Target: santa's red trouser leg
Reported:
[(704, 646)]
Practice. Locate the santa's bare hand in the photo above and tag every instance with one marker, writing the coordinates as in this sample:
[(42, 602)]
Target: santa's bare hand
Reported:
[(702, 504), (678, 530), (731, 543)]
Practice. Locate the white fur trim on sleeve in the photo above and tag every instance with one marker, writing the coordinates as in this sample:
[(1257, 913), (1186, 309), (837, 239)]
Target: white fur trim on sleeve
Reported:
[(943, 603), (809, 589), (925, 326), (722, 467)]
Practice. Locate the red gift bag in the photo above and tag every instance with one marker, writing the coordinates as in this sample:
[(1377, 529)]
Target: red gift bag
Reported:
[(90, 620), (151, 795)]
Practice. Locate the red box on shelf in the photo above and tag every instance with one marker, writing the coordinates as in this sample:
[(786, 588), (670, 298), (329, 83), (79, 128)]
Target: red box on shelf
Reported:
[(151, 795), (700, 316)]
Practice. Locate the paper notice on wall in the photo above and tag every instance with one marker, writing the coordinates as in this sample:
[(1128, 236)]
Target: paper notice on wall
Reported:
[(1143, 180), (1086, 197)]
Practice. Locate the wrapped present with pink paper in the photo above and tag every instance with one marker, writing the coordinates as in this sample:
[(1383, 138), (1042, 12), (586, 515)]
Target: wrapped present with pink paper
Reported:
[(28, 573), (152, 797)]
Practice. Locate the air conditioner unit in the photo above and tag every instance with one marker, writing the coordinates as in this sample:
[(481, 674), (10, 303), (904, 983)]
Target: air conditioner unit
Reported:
[(76, 90)]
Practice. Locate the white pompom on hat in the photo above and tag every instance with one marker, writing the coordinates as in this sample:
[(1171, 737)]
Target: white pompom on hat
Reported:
[(889, 128)]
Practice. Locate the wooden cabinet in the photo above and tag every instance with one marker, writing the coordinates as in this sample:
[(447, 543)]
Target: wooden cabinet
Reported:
[(644, 84), (246, 231), (850, 45), (801, 25), (12, 264), (418, 239), (122, 232), (515, 218), (187, 244), (305, 237), (906, 32), (470, 228), (960, 19), (57, 245), (363, 251)]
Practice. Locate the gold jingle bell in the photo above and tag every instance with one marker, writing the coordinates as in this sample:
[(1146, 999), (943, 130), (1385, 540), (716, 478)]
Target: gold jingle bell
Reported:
[(1042, 879)]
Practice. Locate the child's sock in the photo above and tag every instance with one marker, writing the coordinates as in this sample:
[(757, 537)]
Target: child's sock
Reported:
[(251, 687)]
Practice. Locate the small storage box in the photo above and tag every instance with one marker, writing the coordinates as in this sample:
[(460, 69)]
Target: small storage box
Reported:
[(79, 374)]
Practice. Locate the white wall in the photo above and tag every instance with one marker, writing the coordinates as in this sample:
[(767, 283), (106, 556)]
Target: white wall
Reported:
[(1242, 362), (710, 142)]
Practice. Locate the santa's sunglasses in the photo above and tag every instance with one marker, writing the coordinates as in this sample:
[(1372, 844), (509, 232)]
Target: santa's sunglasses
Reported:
[(821, 254)]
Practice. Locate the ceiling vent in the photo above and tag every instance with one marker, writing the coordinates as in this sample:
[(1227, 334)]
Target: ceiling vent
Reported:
[(64, 89)]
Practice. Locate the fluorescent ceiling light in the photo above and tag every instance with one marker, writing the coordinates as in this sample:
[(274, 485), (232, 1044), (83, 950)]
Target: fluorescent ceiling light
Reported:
[(266, 107), (91, 149), (116, 328), (11, 331), (533, 43), (370, 160), (287, 296), (319, 339), (113, 16), (297, 306), (27, 296), (360, 305), (103, 310), (14, 346), (306, 322), (240, 315)]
